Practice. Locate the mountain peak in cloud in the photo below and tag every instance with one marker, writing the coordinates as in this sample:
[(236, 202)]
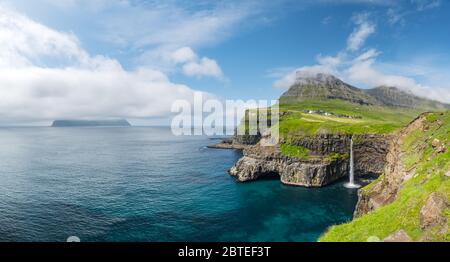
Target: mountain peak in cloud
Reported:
[(322, 86), (307, 77)]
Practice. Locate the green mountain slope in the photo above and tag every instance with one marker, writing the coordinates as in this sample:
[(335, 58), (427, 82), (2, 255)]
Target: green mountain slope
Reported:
[(392, 96), (324, 104), (324, 87)]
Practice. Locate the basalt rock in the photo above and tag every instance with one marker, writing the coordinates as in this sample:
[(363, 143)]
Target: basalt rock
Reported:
[(369, 150), (322, 144), (319, 168), (370, 154), (247, 139), (264, 162), (386, 189)]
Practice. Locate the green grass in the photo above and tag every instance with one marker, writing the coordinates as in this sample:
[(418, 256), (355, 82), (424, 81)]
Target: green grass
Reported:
[(362, 119), (365, 119), (294, 151), (336, 156), (403, 213)]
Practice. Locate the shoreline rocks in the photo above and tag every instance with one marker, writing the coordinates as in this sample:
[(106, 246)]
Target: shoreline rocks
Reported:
[(228, 144)]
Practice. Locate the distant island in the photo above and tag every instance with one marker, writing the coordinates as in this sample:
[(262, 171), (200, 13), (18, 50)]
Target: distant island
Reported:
[(90, 123)]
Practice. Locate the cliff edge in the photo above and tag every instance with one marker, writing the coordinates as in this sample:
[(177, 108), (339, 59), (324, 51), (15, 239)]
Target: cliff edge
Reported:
[(410, 201)]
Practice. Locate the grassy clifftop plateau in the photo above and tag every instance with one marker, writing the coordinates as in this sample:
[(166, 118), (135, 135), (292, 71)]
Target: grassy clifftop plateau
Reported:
[(420, 182), (337, 116)]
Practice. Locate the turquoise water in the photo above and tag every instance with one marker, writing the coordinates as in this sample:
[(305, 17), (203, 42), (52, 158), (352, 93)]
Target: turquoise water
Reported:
[(143, 184)]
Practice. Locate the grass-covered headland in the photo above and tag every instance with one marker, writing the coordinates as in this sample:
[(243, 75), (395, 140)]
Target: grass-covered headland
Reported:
[(425, 154)]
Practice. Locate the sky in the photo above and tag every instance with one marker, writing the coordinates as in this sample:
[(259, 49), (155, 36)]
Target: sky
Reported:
[(132, 58)]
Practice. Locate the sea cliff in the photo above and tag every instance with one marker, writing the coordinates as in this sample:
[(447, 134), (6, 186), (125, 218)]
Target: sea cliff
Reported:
[(410, 201), (326, 161)]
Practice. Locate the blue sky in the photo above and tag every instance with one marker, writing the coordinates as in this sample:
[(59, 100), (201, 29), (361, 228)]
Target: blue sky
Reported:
[(229, 49)]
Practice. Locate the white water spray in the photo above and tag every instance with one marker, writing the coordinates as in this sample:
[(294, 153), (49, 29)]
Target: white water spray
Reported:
[(351, 182)]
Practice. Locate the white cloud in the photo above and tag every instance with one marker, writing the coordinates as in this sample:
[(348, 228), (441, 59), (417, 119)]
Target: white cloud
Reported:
[(72, 84), (362, 69), (397, 14), (426, 4), (290, 78), (369, 2), (359, 35), (183, 55), (203, 67), (23, 42), (171, 24), (194, 66), (326, 20), (146, 33), (367, 55)]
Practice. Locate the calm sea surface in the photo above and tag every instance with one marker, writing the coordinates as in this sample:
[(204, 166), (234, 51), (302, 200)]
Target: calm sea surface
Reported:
[(143, 184)]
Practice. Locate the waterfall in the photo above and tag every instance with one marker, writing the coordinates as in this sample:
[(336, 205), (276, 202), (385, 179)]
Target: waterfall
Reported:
[(351, 173)]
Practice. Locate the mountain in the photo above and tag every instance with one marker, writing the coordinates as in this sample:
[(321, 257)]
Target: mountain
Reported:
[(90, 123), (392, 96), (323, 87)]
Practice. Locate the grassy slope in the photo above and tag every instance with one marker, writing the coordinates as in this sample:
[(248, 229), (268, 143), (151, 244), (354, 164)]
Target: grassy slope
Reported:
[(294, 151), (366, 119), (403, 213)]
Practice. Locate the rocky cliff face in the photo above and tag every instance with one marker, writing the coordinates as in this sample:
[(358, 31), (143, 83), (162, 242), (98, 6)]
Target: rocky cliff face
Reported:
[(410, 201), (369, 150), (370, 154), (396, 173), (264, 162), (246, 139), (320, 168), (385, 191)]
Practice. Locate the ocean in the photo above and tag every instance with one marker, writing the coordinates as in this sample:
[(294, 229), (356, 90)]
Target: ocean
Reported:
[(144, 184)]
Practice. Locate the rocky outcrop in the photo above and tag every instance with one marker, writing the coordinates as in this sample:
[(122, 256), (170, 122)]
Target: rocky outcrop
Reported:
[(264, 162), (398, 236), (431, 214), (385, 190), (246, 139), (228, 144)]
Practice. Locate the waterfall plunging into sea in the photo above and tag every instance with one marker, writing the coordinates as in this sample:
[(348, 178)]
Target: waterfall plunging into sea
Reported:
[(351, 174)]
